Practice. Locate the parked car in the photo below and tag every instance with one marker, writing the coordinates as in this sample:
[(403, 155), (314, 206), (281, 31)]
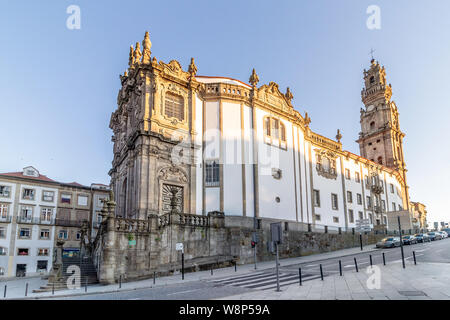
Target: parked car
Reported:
[(409, 240), (390, 242), (447, 230), (422, 237), (434, 236), (444, 234)]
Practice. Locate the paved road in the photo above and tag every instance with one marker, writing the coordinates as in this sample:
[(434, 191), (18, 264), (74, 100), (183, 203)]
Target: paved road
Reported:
[(436, 251)]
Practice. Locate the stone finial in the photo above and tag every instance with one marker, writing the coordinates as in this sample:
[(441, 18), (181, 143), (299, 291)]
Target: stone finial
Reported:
[(131, 57), (338, 136), (192, 68), (137, 53), (289, 94), (254, 79), (307, 119), (147, 46)]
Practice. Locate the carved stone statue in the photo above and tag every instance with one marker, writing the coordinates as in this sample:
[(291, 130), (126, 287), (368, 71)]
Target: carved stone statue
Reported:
[(147, 46), (254, 79), (192, 68), (137, 53)]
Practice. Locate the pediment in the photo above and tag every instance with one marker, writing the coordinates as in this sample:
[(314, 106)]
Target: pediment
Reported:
[(272, 95), (174, 69)]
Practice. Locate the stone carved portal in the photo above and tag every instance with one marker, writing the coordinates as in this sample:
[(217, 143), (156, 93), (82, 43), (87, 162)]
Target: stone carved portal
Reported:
[(172, 197)]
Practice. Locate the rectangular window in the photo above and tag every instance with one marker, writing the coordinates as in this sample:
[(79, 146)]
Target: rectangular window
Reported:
[(28, 194), (212, 173), (370, 218), (43, 252), (267, 126), (336, 219), (384, 220), (359, 198), (383, 205), (392, 187), (46, 214), (66, 198), (351, 218), (5, 191), (349, 197), (334, 201), (82, 200), (24, 233), (317, 217), (369, 202), (316, 198), (48, 196), (394, 208), (2, 251), (26, 213), (4, 210), (62, 234), (275, 129), (357, 179), (347, 174), (174, 106), (367, 182), (361, 215), (78, 235), (2, 232), (22, 251), (400, 208), (45, 234)]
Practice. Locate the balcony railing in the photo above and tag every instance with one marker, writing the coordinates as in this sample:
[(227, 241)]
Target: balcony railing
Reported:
[(6, 219), (68, 223), (28, 220)]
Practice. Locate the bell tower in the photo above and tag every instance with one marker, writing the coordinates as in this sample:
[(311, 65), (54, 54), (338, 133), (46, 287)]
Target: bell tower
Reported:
[(381, 139)]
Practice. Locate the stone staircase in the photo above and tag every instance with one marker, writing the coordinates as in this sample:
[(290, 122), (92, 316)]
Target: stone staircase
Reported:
[(87, 275)]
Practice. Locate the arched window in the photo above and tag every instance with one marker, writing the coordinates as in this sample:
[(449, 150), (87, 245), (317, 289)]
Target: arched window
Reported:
[(372, 79), (174, 106), (275, 129), (372, 125), (274, 132), (380, 160)]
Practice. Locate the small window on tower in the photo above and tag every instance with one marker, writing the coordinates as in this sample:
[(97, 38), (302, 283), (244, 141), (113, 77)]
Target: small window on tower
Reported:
[(372, 125), (174, 106), (372, 79), (380, 160)]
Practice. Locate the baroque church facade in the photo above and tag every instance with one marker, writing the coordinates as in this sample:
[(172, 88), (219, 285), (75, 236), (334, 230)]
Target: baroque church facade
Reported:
[(201, 144)]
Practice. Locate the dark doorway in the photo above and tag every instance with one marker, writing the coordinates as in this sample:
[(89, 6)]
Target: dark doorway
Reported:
[(21, 270), (41, 266)]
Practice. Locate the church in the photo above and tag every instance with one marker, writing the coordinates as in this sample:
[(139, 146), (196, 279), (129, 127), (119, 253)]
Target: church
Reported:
[(203, 144)]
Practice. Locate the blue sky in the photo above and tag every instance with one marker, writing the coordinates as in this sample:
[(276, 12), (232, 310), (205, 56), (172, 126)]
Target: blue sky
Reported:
[(59, 86)]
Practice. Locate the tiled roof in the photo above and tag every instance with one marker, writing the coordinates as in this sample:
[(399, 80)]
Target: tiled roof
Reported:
[(21, 175)]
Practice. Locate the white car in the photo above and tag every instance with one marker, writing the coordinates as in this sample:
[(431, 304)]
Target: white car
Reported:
[(444, 234)]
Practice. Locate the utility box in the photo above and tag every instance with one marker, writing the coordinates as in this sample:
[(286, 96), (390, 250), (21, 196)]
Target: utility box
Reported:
[(276, 232)]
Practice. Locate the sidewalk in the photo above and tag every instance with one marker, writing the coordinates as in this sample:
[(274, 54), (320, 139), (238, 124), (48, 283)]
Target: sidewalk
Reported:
[(16, 288), (425, 281)]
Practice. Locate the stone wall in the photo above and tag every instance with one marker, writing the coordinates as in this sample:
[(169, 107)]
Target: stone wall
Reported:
[(137, 249)]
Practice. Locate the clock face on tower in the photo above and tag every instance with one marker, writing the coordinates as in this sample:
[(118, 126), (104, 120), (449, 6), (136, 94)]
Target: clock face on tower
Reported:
[(371, 107)]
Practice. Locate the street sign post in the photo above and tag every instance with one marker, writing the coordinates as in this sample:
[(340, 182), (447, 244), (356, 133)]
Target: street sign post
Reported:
[(255, 239), (362, 225), (180, 247), (277, 235)]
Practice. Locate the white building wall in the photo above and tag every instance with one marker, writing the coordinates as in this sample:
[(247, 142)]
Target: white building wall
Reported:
[(212, 151), (198, 127), (249, 161)]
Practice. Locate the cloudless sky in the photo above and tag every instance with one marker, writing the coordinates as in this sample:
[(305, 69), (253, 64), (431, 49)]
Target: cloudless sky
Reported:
[(58, 87)]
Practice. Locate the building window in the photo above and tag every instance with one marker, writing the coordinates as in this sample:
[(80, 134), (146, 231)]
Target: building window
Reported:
[(336, 219), (384, 220), (2, 232), (5, 191), (383, 205), (380, 160), (394, 208), (359, 198), (4, 210), (349, 197), (326, 165), (78, 235), (46, 214), (351, 218), (370, 218), (357, 178), (174, 106), (372, 125), (24, 233), (317, 217), (392, 187), (3, 251), (26, 213), (28, 194), (48, 196), (212, 173), (400, 208), (43, 252), (66, 198), (316, 198), (369, 202), (367, 182), (275, 129), (2, 271), (22, 251), (267, 126), (82, 200), (347, 174), (45, 234), (360, 214), (334, 201), (62, 234)]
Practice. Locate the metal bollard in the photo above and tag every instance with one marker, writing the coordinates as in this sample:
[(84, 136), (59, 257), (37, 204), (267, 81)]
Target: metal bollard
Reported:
[(300, 275), (321, 272), (85, 285), (384, 259), (370, 257), (53, 288), (26, 289), (235, 266), (120, 281), (340, 268), (356, 265), (414, 255), (4, 292), (212, 270), (154, 277)]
